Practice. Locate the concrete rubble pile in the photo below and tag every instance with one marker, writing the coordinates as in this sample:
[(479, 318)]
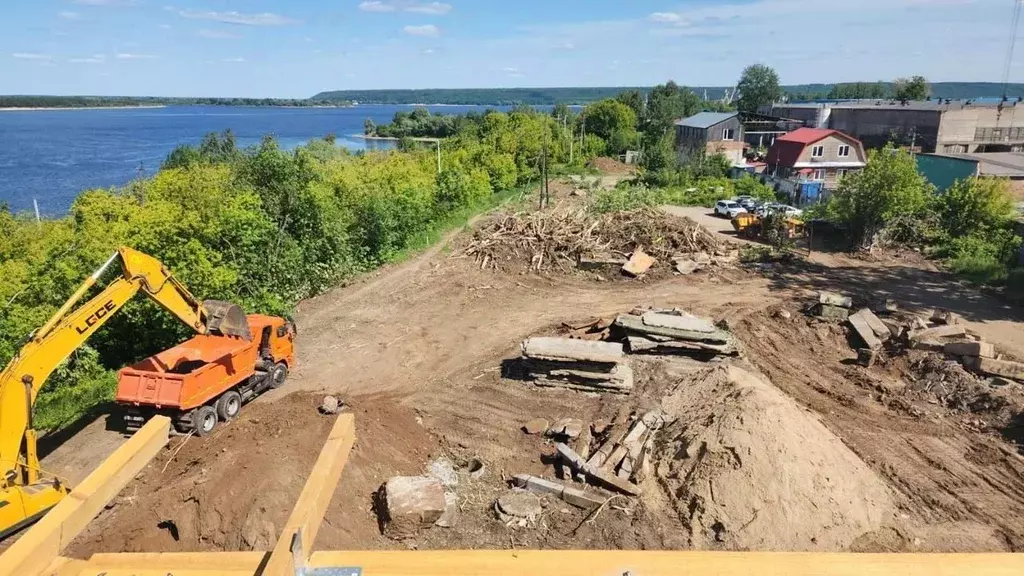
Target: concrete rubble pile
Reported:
[(657, 331), (941, 333), (577, 365), (610, 457)]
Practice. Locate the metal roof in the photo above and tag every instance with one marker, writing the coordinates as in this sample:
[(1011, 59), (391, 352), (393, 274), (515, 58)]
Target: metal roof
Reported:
[(935, 104), (706, 119)]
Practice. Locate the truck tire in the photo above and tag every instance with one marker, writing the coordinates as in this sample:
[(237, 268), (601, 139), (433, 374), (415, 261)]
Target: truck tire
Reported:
[(204, 420), (228, 405), (278, 375)]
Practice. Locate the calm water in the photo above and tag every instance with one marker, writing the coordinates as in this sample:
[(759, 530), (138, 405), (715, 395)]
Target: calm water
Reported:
[(53, 155)]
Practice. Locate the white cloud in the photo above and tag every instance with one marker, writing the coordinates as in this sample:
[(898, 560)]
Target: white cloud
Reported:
[(376, 6), (130, 56), (94, 59), (218, 34), (32, 56), (666, 17), (428, 30), (105, 2), (165, 26), (233, 60), (69, 15), (428, 51), (428, 8), (263, 19), (433, 8)]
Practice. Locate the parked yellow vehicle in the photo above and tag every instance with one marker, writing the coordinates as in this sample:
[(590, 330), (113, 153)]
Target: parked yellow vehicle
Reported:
[(750, 225)]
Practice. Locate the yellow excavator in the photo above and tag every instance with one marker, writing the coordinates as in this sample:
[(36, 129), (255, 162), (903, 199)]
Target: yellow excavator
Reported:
[(26, 492)]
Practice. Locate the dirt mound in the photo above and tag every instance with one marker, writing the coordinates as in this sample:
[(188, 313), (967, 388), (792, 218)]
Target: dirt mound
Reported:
[(558, 238), (611, 166), (751, 470)]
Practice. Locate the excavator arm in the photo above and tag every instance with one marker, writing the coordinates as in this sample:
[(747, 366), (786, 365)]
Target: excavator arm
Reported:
[(24, 495)]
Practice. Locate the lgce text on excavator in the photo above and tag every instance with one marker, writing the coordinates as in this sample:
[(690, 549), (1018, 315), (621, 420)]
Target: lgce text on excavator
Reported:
[(26, 492)]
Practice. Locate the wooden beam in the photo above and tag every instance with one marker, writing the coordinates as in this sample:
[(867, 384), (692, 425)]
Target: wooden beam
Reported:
[(42, 543), (228, 563), (309, 511), (643, 563), (64, 566)]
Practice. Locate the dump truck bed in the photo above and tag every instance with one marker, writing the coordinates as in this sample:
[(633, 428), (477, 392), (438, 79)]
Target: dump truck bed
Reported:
[(189, 374)]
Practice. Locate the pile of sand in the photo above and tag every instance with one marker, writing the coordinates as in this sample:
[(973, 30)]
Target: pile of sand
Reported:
[(750, 470)]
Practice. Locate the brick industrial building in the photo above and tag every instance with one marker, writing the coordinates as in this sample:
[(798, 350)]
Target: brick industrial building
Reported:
[(932, 126)]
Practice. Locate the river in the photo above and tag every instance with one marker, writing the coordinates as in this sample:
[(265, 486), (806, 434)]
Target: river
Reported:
[(52, 155)]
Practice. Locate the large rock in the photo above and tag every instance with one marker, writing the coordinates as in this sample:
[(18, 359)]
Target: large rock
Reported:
[(970, 349), (413, 503), (567, 349), (638, 263)]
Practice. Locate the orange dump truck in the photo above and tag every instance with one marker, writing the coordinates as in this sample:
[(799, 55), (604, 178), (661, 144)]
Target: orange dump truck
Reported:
[(207, 379)]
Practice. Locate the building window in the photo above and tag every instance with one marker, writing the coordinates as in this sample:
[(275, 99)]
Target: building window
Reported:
[(817, 152), (819, 174), (956, 148), (844, 151), (840, 173), (727, 134)]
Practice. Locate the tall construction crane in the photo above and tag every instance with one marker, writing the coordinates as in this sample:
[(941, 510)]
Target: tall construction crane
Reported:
[(1014, 23), (26, 493)]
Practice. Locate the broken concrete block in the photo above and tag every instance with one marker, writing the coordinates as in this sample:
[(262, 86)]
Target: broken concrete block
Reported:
[(569, 427), (1004, 368), (638, 263), (896, 329), (585, 499), (833, 299), (600, 426), (601, 475), (835, 313), (927, 345), (330, 405), (866, 357), (536, 426), (918, 323), (945, 317), (451, 511), (689, 322), (413, 503), (886, 306), (876, 324), (938, 332), (863, 329), (686, 267), (571, 350), (970, 349), (520, 505)]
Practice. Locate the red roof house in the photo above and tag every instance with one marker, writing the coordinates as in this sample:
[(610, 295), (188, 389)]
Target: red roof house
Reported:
[(816, 154)]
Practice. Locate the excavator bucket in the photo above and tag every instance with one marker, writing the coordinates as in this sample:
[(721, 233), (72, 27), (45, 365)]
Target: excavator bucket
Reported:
[(226, 319)]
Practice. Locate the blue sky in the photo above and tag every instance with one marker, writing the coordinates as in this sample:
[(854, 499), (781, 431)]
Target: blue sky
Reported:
[(296, 48)]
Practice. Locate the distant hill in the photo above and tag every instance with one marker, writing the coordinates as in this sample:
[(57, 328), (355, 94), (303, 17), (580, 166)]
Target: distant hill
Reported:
[(550, 96)]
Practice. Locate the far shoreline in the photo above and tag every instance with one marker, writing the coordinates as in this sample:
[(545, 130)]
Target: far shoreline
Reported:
[(44, 108)]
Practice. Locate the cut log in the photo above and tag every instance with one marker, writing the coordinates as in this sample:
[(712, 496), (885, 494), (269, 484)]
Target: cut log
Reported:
[(567, 349), (688, 322)]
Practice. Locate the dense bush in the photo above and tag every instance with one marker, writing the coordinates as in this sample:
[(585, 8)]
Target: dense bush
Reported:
[(262, 227)]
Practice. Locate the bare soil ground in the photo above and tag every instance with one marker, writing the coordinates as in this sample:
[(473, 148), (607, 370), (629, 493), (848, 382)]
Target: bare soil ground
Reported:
[(415, 352)]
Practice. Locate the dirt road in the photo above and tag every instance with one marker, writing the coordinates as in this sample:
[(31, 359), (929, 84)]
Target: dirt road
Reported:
[(415, 352)]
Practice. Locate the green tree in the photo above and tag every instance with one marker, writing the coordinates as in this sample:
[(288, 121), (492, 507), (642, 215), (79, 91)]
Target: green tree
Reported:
[(634, 99), (889, 187), (667, 103), (561, 112), (908, 89), (613, 122), (975, 206), (758, 86)]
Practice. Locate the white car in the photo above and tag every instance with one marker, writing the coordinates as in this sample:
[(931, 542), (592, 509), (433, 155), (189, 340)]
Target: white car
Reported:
[(728, 209)]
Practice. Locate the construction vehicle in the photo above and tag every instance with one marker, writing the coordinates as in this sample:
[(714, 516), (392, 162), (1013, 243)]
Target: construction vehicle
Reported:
[(750, 225), (207, 379), (26, 492)]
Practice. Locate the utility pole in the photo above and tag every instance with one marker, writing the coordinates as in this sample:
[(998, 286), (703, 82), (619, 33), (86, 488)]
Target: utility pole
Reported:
[(35, 203), (439, 156), (545, 200)]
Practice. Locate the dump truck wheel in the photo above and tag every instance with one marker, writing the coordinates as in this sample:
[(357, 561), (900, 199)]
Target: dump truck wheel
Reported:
[(279, 375), (204, 420), (228, 405)]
